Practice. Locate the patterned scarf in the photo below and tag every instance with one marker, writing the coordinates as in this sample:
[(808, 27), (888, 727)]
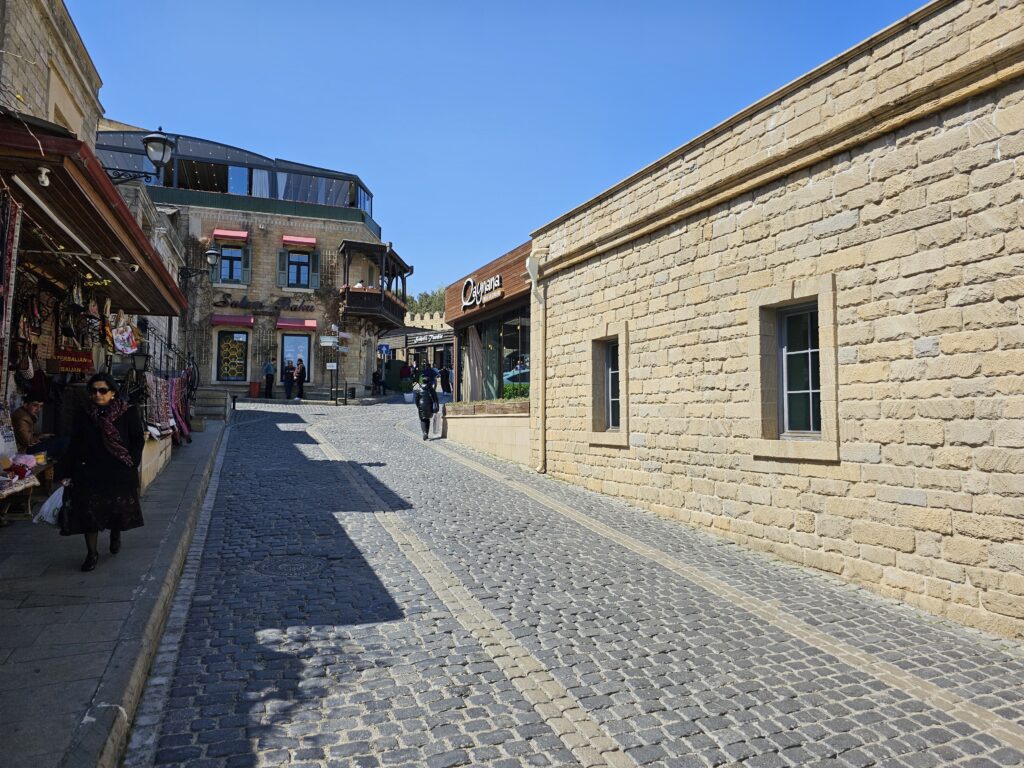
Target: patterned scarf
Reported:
[(104, 418)]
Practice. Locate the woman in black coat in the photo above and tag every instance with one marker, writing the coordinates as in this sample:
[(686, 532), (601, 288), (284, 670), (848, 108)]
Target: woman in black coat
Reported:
[(102, 469), (426, 400)]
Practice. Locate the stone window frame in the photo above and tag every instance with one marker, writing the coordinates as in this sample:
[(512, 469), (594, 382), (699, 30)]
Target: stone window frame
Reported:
[(599, 340), (763, 312)]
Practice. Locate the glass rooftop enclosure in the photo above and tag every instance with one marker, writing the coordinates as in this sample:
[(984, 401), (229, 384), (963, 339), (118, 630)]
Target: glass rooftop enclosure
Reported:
[(206, 173)]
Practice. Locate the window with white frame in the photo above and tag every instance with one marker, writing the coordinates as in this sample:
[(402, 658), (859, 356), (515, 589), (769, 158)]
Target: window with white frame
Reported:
[(793, 367), (609, 410), (800, 369), (612, 399)]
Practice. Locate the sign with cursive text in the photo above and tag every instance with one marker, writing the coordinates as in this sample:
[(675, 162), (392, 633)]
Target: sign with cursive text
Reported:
[(477, 294), (283, 304)]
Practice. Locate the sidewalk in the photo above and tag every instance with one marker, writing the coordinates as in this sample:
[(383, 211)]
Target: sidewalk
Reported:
[(75, 648)]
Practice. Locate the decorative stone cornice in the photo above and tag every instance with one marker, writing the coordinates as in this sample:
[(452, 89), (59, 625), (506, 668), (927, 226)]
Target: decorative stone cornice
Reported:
[(920, 99)]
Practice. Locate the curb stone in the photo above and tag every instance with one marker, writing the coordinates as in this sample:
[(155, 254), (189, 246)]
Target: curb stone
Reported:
[(101, 736)]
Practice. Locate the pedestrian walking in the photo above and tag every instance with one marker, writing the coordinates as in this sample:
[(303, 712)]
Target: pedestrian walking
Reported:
[(300, 378), (269, 372), (288, 378), (426, 399), (101, 469), (445, 377)]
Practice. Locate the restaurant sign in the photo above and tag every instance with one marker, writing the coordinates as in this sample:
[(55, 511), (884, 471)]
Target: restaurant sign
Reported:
[(74, 360), (425, 338), (283, 304), (477, 294)]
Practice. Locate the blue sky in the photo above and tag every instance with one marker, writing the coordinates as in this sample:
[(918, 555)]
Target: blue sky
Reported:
[(473, 123)]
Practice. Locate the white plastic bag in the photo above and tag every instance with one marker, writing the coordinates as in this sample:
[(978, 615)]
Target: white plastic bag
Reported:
[(435, 425), (51, 507)]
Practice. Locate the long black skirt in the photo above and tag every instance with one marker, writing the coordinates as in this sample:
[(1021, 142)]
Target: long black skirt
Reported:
[(90, 511)]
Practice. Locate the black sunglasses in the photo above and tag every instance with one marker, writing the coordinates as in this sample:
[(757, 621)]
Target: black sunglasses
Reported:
[(99, 390)]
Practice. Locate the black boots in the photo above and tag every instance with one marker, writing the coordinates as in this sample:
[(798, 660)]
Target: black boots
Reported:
[(115, 542), (90, 561)]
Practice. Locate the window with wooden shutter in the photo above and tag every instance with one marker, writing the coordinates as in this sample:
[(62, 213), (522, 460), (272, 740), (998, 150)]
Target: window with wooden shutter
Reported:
[(246, 265), (314, 269), (282, 268)]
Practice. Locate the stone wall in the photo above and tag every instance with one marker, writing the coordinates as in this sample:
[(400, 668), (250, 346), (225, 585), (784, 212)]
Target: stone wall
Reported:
[(433, 321), (890, 181), (196, 225), (506, 436), (45, 70)]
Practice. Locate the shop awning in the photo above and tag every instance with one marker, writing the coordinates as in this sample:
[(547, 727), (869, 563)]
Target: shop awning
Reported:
[(76, 222), (235, 235), (239, 321), (296, 324), (299, 242)]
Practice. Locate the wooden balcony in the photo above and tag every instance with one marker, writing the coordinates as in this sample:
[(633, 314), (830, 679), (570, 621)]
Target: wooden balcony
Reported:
[(383, 306)]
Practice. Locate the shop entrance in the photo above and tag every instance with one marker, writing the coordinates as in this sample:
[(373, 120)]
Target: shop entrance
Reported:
[(294, 346)]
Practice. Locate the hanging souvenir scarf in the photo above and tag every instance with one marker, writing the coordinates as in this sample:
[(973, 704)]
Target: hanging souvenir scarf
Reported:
[(122, 337)]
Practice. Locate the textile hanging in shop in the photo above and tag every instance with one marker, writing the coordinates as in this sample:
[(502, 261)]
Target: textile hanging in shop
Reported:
[(179, 407), (158, 410), (10, 228)]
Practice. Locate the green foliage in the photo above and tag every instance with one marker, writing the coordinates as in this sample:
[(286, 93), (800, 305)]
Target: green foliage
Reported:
[(405, 386), (515, 392), (427, 301)]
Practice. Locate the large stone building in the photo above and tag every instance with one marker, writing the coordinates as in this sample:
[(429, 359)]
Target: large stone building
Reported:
[(45, 70), (804, 329), (296, 256)]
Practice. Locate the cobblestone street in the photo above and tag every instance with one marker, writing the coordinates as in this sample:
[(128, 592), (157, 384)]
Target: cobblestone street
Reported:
[(364, 598)]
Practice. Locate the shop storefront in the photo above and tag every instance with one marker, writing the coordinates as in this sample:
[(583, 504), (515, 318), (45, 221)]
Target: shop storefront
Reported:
[(490, 313), (77, 272)]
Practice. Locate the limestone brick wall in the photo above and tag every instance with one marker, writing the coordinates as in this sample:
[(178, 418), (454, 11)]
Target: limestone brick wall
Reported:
[(921, 56), (921, 231), (265, 238), (506, 436), (45, 70)]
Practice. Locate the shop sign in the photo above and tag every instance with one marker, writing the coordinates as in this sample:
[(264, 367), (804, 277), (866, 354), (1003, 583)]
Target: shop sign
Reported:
[(73, 360), (426, 338), (477, 294), (328, 341), (283, 304)]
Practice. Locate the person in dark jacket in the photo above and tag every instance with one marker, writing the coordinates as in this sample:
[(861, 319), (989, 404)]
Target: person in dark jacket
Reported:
[(288, 379), (426, 399), (101, 469), (300, 379)]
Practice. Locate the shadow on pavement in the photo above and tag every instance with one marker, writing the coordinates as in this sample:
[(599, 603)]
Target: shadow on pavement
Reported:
[(280, 586)]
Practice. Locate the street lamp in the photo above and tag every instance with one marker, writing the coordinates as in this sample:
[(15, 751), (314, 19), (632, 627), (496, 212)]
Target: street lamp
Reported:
[(159, 148), (211, 255)]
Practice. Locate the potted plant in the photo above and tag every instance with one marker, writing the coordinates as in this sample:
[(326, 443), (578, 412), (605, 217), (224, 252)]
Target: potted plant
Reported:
[(405, 387)]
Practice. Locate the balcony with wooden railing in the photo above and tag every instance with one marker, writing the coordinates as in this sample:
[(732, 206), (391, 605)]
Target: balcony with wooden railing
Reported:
[(382, 305)]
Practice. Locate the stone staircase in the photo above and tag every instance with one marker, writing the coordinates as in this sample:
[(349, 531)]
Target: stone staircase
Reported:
[(210, 404)]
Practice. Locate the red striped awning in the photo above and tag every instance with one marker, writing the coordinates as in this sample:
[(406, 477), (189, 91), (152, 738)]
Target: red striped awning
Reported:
[(231, 234), (238, 321), (296, 324), (299, 242)]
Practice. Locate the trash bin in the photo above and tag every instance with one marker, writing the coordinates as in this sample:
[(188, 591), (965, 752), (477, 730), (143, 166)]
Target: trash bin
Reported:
[(351, 393), (254, 389)]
